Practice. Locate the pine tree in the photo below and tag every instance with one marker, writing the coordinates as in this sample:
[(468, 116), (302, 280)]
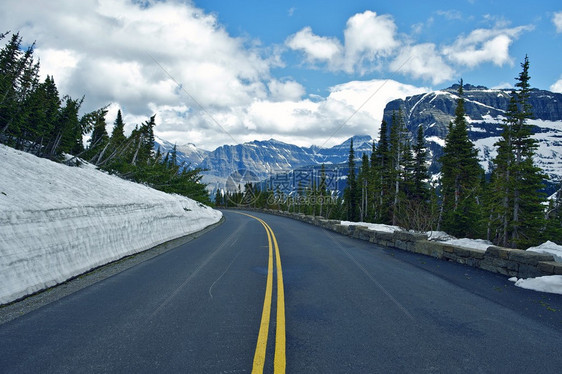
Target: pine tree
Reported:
[(99, 139), (118, 133), (68, 130), (351, 195), (460, 179), (362, 186), (516, 210), (421, 174), (381, 171), (399, 155)]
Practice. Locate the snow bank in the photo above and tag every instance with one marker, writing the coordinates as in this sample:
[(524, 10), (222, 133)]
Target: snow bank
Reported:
[(57, 222), (373, 226), (549, 283), (549, 248), (478, 244)]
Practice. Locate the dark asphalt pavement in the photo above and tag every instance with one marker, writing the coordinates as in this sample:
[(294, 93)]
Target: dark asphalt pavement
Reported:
[(351, 307)]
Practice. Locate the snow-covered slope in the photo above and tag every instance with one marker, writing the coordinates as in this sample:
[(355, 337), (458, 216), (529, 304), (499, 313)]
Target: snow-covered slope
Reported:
[(57, 221), (485, 112)]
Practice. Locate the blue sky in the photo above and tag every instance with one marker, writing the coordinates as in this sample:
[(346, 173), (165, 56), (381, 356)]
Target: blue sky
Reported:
[(435, 22), (299, 72)]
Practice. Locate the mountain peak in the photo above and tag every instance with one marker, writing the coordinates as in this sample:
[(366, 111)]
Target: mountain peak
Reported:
[(466, 87)]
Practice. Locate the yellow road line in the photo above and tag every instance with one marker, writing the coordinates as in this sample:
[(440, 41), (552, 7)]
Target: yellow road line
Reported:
[(261, 345), (279, 361)]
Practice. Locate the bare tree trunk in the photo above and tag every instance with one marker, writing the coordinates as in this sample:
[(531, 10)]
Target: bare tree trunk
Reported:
[(134, 162)]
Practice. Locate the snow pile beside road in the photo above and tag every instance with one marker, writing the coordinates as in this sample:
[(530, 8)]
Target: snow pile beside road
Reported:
[(551, 283), (57, 222), (373, 226), (549, 248), (548, 283), (441, 236)]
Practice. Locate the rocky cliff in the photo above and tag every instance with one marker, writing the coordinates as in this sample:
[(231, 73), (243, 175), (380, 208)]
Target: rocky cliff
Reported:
[(485, 112)]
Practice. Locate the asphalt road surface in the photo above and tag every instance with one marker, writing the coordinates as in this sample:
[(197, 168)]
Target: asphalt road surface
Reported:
[(268, 293)]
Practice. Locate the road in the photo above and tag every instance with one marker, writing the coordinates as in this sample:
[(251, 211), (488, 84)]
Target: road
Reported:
[(327, 304)]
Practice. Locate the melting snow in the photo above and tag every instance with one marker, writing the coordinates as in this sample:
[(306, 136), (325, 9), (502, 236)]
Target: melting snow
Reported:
[(549, 248), (551, 283), (548, 283), (57, 222)]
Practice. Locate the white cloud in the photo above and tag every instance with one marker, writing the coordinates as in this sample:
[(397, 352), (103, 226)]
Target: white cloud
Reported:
[(352, 108), (422, 61), (367, 38), (316, 48), (59, 63), (557, 20), (450, 15), (288, 90), (103, 49), (503, 85), (484, 45), (557, 86)]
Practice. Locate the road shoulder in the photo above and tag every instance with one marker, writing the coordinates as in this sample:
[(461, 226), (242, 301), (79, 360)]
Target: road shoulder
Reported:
[(37, 300)]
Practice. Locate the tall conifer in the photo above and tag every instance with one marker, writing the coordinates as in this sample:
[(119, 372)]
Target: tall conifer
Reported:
[(516, 210), (460, 178)]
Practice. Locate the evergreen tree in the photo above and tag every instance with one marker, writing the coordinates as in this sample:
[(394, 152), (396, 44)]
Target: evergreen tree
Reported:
[(460, 179), (99, 139), (18, 80), (351, 193), (68, 130), (362, 186), (382, 173), (421, 174), (516, 208), (118, 133), (399, 152)]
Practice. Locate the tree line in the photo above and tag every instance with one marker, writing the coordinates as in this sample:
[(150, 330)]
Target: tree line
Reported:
[(34, 118), (507, 207)]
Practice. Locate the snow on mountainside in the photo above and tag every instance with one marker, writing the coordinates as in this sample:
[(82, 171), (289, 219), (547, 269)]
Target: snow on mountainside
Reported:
[(485, 110), (187, 154), (57, 222), (264, 158)]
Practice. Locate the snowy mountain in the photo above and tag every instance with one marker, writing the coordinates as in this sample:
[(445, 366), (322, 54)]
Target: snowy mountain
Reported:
[(187, 154), (485, 109), (263, 158), (57, 222)]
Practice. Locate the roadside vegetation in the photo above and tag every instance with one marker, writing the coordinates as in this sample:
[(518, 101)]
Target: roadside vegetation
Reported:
[(507, 207), (36, 119)]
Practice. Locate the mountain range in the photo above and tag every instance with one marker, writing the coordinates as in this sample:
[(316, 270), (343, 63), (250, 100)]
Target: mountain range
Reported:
[(485, 111), (262, 159)]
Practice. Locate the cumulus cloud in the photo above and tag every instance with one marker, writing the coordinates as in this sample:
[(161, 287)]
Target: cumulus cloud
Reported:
[(367, 38), (422, 61), (557, 20), (484, 45), (285, 91), (352, 108), (315, 48), (206, 87), (134, 55), (557, 86)]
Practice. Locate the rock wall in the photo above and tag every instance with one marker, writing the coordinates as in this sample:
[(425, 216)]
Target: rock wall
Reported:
[(510, 262)]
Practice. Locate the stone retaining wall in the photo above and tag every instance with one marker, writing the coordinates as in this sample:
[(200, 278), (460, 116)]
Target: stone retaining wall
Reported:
[(506, 261)]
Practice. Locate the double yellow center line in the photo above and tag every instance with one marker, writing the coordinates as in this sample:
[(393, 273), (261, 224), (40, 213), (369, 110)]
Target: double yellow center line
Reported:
[(279, 361)]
